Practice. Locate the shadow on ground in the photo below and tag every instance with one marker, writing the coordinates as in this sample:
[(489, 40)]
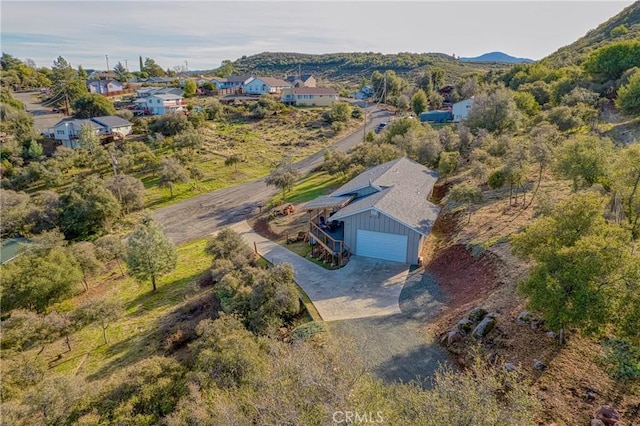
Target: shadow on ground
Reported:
[(395, 348)]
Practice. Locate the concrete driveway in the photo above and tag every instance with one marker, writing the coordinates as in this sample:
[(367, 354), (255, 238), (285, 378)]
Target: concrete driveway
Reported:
[(363, 288), (377, 309)]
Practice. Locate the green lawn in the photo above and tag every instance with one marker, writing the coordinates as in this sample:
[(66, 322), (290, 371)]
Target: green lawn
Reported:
[(310, 187)]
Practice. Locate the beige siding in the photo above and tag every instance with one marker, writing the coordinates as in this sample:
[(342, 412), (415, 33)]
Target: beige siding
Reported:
[(316, 100), (382, 223)]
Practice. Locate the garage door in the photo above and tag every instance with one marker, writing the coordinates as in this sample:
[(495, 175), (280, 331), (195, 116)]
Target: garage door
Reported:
[(381, 245)]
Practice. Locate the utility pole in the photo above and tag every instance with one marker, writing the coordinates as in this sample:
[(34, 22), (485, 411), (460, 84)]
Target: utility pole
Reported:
[(364, 127)]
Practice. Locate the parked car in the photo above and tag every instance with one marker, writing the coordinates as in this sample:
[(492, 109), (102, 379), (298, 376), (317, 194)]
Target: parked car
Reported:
[(381, 127)]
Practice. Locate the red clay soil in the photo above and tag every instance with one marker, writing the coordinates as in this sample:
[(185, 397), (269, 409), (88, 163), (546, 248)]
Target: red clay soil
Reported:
[(262, 228), (463, 278)]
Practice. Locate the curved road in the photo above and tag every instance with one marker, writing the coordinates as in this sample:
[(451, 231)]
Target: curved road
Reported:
[(200, 216)]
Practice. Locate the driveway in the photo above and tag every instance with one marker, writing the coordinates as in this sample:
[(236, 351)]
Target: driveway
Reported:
[(376, 308), (43, 117), (364, 288)]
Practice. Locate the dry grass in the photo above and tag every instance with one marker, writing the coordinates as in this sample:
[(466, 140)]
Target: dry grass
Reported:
[(572, 368)]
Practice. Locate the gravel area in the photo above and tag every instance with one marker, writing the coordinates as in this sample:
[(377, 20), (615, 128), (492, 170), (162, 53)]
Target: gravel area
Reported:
[(396, 348)]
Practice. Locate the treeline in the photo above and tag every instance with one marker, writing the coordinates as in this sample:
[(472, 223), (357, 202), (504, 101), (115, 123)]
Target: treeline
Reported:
[(624, 26), (354, 67)]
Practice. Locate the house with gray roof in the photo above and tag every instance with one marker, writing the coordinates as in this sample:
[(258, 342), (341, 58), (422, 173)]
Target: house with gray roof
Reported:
[(67, 131), (262, 85), (303, 80), (384, 213)]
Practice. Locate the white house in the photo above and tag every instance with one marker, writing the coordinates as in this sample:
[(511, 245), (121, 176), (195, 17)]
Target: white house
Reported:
[(104, 86), (309, 96), (261, 85), (143, 92), (460, 110), (67, 131), (159, 104)]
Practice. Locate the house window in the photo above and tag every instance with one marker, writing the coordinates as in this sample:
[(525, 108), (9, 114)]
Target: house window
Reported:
[(374, 213), (60, 132)]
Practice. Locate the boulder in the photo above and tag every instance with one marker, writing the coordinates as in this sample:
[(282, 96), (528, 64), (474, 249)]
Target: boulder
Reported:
[(596, 422), (551, 334), (608, 415), (452, 337), (509, 366), (525, 317), (536, 324), (465, 325), (485, 326), (539, 365), (477, 314)]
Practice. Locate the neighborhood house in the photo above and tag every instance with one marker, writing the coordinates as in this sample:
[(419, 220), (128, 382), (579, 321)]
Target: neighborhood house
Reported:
[(161, 103), (104, 86), (309, 96), (304, 80), (262, 85), (383, 213), (67, 131)]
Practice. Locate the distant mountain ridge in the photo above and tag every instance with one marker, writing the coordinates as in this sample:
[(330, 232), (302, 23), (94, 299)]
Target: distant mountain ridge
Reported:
[(497, 57), (355, 66)]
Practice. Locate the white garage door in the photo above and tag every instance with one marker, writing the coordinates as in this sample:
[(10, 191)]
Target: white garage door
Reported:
[(381, 245)]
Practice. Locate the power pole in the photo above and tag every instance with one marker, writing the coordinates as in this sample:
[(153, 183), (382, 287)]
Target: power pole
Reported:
[(364, 127), (66, 101)]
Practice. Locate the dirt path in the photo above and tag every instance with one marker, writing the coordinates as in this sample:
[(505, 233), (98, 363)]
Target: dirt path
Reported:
[(43, 117), (200, 216)]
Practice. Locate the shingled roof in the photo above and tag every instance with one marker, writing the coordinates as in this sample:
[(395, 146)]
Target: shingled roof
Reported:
[(402, 190)]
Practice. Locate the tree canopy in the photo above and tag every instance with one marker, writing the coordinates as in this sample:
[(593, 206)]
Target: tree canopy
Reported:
[(93, 105), (87, 208), (150, 253)]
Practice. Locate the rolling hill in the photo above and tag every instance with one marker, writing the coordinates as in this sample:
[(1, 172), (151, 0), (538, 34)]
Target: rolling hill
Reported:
[(624, 26), (497, 57), (353, 67)]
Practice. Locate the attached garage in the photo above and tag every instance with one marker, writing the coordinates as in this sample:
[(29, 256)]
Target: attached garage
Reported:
[(387, 215), (381, 245)]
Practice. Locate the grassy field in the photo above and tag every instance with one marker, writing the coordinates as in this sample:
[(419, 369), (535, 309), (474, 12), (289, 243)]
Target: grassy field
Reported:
[(139, 332)]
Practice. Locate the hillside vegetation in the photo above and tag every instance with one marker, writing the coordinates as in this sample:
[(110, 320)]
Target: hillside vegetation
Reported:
[(353, 67), (541, 182), (623, 26)]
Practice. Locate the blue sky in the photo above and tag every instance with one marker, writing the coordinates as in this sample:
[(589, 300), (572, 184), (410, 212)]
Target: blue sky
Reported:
[(204, 33)]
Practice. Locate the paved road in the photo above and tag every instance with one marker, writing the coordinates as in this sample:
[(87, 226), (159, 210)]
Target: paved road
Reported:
[(202, 215), (43, 117)]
